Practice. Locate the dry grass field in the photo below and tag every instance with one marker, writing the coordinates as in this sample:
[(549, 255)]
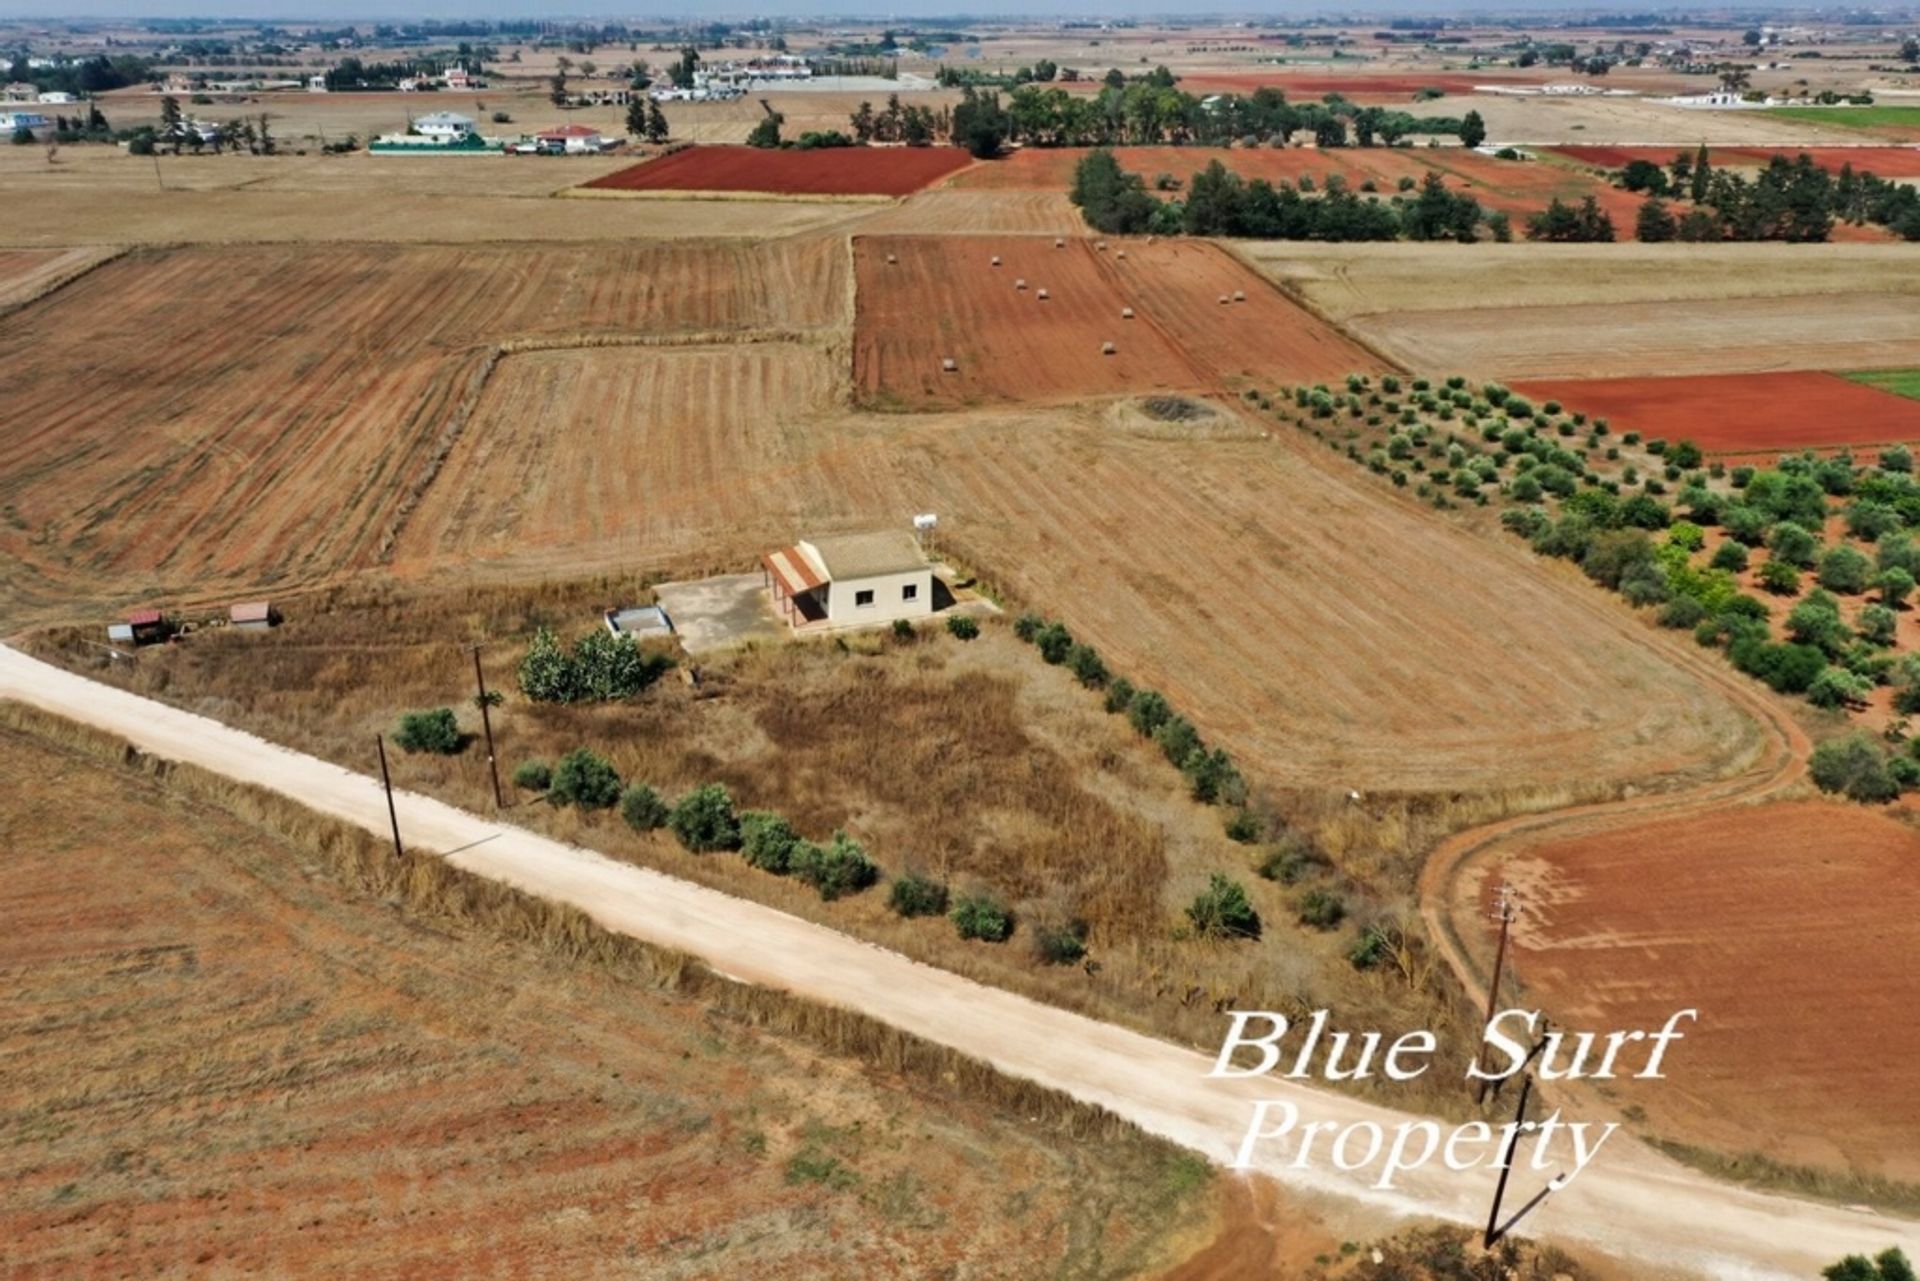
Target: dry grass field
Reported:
[(99, 196), (638, 456), (1574, 311), (26, 274), (977, 213), (1752, 915), (373, 355), (247, 1066)]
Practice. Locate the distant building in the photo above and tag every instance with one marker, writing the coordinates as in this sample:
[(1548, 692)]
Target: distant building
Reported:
[(459, 79), (571, 139), (850, 579), (12, 122), (317, 83), (56, 98), (444, 126), (147, 625), (20, 91), (254, 616)]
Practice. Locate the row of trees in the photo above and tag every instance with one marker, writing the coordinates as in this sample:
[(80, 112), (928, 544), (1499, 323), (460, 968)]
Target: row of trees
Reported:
[(1220, 203), (1792, 200)]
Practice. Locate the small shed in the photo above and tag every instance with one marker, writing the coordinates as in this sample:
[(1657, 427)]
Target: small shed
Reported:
[(254, 616), (639, 621), (147, 626)]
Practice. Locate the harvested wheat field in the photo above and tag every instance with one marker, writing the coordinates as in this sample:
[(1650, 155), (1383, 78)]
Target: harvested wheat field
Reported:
[(1201, 320), (626, 453), (26, 274), (224, 483), (1051, 168), (1887, 162), (252, 1067), (1742, 413), (832, 171), (1764, 919), (1459, 646), (952, 210)]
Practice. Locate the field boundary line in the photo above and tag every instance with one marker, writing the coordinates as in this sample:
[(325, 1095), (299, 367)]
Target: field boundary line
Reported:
[(1298, 297), (114, 254)]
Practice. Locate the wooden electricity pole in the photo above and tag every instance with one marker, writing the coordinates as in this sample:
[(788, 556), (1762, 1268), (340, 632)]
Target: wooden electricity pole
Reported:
[(1508, 910), (1495, 1228), (386, 781), (486, 724)]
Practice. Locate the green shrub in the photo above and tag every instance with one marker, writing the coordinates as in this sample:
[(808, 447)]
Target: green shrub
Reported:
[(767, 841), (1682, 612), (1322, 909), (1028, 626), (1855, 767), (435, 731), (836, 869), (534, 776), (1895, 586), (1780, 577), (1119, 694), (642, 808), (1372, 947), (1289, 862), (1877, 625), (584, 779), (1845, 570), (1730, 556), (1084, 662), (902, 630), (704, 819), (962, 627), (1245, 827), (1061, 944), (1212, 778), (601, 667), (980, 916), (1177, 739), (1222, 910), (917, 895), (1054, 642), (1147, 712)]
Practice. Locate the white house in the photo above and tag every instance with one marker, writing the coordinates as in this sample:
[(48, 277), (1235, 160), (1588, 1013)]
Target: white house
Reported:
[(55, 98), (444, 126), (850, 579), (571, 139), (12, 122)]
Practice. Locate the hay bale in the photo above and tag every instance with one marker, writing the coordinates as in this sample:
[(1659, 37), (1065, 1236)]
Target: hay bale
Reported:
[(891, 259), (996, 260), (1059, 242), (1239, 295), (1106, 349), (1126, 313), (1100, 246), (950, 365), (1119, 253), (1224, 299), (1042, 295), (1020, 283)]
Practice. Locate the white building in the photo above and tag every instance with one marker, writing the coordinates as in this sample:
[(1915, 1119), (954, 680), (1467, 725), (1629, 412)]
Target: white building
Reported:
[(444, 126), (571, 139), (12, 122), (850, 580)]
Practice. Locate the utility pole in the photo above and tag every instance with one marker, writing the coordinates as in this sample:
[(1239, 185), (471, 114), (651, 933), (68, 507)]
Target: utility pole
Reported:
[(486, 723), (1496, 1229), (1507, 910), (386, 781)]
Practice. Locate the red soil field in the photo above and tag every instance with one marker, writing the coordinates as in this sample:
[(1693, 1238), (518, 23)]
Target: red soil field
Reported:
[(1887, 162), (1731, 413), (942, 299), (1791, 927), (832, 171)]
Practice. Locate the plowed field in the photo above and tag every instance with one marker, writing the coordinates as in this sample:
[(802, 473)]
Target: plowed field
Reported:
[(1887, 162), (1742, 413), (25, 274), (942, 299), (203, 417), (828, 171), (1792, 928)]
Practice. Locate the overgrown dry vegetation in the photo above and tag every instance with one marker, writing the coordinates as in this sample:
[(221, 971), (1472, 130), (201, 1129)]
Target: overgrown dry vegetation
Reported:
[(242, 1036), (970, 761)]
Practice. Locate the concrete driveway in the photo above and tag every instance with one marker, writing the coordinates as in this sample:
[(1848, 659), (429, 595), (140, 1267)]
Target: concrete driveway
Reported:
[(713, 614)]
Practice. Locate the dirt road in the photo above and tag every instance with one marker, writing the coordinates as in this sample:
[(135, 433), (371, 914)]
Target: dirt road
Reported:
[(1631, 1203)]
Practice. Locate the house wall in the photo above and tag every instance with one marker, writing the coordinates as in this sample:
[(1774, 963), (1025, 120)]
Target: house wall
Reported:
[(887, 598)]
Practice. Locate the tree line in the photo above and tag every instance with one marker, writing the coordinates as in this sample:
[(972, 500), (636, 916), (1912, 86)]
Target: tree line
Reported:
[(1790, 200), (1220, 203)]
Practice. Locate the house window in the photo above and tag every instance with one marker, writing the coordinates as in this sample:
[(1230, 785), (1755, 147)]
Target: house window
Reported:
[(910, 592), (863, 600)]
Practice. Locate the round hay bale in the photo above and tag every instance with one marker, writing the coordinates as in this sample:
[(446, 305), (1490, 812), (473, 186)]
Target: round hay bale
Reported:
[(996, 260), (1119, 253), (1224, 299), (950, 365), (1239, 295), (1126, 313), (1020, 283), (1100, 246), (1059, 242), (1106, 349), (1042, 295), (891, 259)]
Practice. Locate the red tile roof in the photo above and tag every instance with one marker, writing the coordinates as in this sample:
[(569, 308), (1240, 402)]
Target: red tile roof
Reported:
[(143, 618)]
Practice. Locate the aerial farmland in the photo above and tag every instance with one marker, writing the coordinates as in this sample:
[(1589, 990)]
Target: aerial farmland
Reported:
[(720, 648)]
